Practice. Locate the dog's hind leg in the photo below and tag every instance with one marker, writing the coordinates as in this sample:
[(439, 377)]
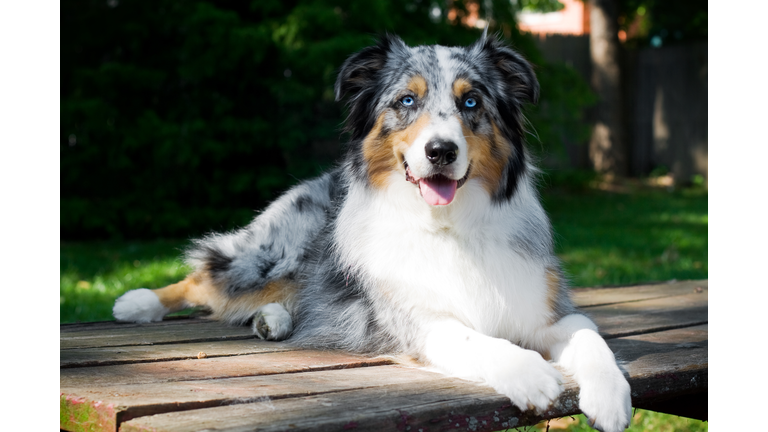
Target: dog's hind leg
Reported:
[(268, 305), (144, 305), (239, 274)]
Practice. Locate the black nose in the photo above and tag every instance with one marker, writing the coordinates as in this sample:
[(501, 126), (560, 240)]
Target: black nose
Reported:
[(441, 152)]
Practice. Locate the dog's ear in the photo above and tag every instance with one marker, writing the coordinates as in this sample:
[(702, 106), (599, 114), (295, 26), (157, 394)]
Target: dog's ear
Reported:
[(518, 74), (358, 78), (358, 73), (517, 85)]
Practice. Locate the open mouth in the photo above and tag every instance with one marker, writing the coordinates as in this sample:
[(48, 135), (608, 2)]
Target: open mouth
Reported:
[(437, 189)]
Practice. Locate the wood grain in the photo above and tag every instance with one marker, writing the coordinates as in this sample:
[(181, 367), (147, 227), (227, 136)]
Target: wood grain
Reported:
[(151, 334), (443, 404), (588, 297), (105, 356), (144, 399), (111, 325), (211, 368), (645, 316)]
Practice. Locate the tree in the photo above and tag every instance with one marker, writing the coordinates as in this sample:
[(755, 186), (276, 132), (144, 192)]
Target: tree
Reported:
[(654, 23), (180, 118), (607, 146)]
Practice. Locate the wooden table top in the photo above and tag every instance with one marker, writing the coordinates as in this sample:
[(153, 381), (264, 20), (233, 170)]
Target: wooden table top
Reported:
[(192, 374)]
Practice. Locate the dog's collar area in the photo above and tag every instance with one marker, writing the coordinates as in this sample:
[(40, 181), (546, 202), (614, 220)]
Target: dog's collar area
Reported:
[(411, 179)]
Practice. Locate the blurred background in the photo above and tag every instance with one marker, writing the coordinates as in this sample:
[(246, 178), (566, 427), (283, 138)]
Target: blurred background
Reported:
[(181, 118)]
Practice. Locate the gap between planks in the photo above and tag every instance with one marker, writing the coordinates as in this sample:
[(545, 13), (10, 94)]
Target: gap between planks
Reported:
[(112, 356), (273, 363), (153, 334)]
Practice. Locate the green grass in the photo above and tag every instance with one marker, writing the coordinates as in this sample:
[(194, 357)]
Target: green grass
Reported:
[(603, 238), (94, 274), (609, 238), (642, 421)]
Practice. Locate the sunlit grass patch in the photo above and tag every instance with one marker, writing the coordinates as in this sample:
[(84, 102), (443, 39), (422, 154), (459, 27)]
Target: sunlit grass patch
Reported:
[(607, 238), (94, 274)]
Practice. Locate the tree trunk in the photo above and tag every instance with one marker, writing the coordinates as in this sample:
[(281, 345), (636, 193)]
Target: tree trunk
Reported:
[(607, 147)]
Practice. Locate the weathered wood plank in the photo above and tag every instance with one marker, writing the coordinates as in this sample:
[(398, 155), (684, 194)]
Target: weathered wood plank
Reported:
[(211, 368), (588, 297), (645, 316), (664, 365), (134, 400), (104, 356), (615, 319), (111, 325), (155, 333), (660, 365), (646, 356), (438, 405), (444, 404)]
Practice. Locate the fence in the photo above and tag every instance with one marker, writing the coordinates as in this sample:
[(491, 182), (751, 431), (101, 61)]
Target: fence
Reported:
[(665, 104)]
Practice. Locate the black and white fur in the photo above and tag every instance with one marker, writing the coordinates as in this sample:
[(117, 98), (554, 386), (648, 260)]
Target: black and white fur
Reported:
[(472, 289)]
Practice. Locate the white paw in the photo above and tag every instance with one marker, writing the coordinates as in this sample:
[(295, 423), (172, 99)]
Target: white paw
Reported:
[(272, 322), (606, 401), (140, 305), (527, 380)]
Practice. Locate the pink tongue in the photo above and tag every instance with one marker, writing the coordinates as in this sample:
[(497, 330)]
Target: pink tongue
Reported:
[(438, 190)]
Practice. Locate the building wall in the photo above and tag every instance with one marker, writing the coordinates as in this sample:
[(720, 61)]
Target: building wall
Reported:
[(573, 19)]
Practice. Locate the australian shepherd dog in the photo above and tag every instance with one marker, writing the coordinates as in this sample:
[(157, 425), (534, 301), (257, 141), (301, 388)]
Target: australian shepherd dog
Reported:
[(428, 240)]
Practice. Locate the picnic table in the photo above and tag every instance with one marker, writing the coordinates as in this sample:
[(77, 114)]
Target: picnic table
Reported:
[(193, 374)]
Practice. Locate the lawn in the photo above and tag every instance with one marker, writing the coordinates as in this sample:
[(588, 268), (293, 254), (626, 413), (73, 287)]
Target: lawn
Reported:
[(608, 238), (630, 235), (94, 274)]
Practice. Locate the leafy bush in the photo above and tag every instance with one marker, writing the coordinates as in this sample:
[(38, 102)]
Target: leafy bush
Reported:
[(183, 117)]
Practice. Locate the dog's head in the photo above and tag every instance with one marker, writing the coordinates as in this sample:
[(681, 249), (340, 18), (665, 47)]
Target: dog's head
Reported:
[(438, 116)]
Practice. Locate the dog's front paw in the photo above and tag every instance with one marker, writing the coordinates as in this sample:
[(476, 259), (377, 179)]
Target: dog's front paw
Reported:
[(272, 322), (140, 306), (606, 401), (527, 380)]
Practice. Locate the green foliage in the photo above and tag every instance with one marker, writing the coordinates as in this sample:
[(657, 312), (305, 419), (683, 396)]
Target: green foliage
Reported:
[(663, 22), (540, 5), (179, 118), (559, 117), (568, 180)]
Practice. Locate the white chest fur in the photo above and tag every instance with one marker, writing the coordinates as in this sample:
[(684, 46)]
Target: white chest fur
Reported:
[(452, 261)]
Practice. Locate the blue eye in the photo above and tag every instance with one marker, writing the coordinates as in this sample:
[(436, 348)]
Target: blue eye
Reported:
[(407, 101), (470, 103)]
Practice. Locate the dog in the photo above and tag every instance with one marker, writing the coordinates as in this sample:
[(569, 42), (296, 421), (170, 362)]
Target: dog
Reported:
[(427, 240)]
